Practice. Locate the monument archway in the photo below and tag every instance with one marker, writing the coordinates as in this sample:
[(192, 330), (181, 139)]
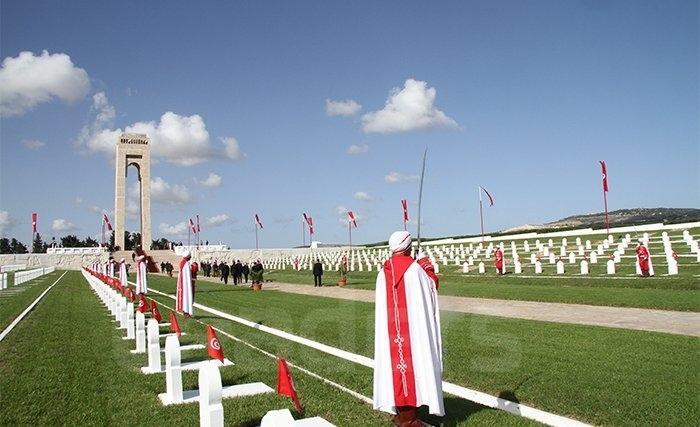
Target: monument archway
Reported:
[(133, 149)]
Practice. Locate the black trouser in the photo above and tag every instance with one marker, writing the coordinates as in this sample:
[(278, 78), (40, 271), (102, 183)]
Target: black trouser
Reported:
[(246, 277), (236, 279), (317, 280), (225, 279)]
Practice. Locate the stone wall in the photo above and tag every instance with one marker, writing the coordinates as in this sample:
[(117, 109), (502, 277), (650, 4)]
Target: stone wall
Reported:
[(60, 261)]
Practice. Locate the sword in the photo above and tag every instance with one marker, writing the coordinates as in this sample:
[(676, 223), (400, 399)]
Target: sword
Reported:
[(420, 198)]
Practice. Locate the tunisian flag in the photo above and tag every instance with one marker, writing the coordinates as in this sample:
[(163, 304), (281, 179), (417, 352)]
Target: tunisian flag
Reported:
[(353, 220), (604, 171), (213, 345), (285, 385), (106, 220), (491, 200), (311, 225), (34, 221), (404, 205), (155, 313), (174, 326), (143, 304), (192, 226), (257, 221)]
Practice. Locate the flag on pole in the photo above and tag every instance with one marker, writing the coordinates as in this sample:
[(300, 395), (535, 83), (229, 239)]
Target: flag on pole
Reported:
[(143, 306), (213, 345), (155, 313), (34, 221), (491, 200), (106, 220), (257, 221), (404, 205), (174, 326), (604, 171), (353, 221), (192, 226), (311, 225), (198, 227), (306, 218)]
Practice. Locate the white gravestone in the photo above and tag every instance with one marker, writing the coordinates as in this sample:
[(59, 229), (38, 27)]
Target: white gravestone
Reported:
[(482, 268), (560, 267), (594, 258), (465, 267), (140, 333), (153, 347), (538, 267), (130, 326), (572, 258), (518, 267), (584, 267), (211, 411), (611, 267)]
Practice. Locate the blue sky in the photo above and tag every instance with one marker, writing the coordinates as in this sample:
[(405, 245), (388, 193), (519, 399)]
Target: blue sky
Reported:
[(521, 97)]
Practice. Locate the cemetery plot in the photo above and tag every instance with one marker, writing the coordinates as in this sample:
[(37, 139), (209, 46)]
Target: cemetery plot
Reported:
[(15, 299), (578, 371)]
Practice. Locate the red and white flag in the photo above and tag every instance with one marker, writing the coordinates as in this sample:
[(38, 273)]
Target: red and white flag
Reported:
[(174, 326), (352, 218), (192, 226), (213, 345), (155, 313), (198, 227), (34, 221), (143, 304), (311, 226), (285, 384), (404, 205), (604, 171), (257, 221), (491, 200), (106, 221)]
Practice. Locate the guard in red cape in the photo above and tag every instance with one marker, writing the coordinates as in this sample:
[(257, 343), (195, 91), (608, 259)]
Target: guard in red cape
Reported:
[(498, 255), (407, 340), (643, 258)]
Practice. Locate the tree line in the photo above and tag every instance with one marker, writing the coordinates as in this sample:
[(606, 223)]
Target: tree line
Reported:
[(39, 245)]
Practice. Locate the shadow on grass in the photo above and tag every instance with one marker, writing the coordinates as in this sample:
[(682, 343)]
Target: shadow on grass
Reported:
[(457, 411)]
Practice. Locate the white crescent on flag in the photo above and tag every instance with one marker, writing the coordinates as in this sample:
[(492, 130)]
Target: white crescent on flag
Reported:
[(214, 343)]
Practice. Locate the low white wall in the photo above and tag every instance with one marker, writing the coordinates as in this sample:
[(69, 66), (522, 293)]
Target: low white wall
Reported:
[(60, 261)]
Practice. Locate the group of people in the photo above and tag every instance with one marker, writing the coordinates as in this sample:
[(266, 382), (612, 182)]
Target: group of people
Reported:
[(237, 270), (166, 267)]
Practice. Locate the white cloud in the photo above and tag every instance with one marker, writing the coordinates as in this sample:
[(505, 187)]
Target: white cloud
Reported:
[(213, 180), (6, 222), (33, 144), (363, 196), (61, 224), (178, 230), (348, 107), (394, 177), (29, 80), (407, 109), (232, 149), (358, 149), (178, 139), (166, 194), (217, 220)]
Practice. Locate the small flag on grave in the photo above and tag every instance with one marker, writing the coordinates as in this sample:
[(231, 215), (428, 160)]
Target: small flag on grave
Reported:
[(174, 326), (213, 345), (285, 384), (155, 313), (143, 304)]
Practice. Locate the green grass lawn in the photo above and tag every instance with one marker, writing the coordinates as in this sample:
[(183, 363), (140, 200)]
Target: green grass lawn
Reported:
[(15, 299), (66, 364), (603, 376), (667, 293)]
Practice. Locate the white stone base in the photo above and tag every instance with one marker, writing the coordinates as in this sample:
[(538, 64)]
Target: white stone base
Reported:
[(238, 390), (190, 366)]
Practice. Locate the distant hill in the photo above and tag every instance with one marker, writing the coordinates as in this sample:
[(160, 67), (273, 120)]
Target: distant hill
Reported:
[(618, 218)]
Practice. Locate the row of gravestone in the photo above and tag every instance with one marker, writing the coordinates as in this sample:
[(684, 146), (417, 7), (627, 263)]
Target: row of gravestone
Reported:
[(210, 392)]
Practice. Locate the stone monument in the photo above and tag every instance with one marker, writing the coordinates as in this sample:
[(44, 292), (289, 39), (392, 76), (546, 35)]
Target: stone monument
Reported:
[(133, 150)]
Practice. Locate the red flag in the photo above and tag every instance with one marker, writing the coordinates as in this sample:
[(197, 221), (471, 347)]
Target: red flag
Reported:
[(604, 171), (285, 385), (353, 221), (257, 221), (106, 220), (198, 227), (130, 294), (155, 313), (311, 226), (143, 304), (194, 229), (174, 326), (491, 200), (34, 221), (404, 205), (213, 345)]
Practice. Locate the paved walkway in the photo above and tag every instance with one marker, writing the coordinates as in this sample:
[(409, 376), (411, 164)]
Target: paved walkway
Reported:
[(673, 322)]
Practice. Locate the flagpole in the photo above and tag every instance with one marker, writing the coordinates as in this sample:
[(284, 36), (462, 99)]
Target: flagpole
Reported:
[(303, 233), (256, 236), (103, 232), (481, 215), (605, 200), (350, 233), (189, 231)]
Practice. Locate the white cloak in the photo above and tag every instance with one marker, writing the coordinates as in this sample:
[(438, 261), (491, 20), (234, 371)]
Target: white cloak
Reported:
[(141, 281), (425, 343), (122, 275), (184, 299)]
